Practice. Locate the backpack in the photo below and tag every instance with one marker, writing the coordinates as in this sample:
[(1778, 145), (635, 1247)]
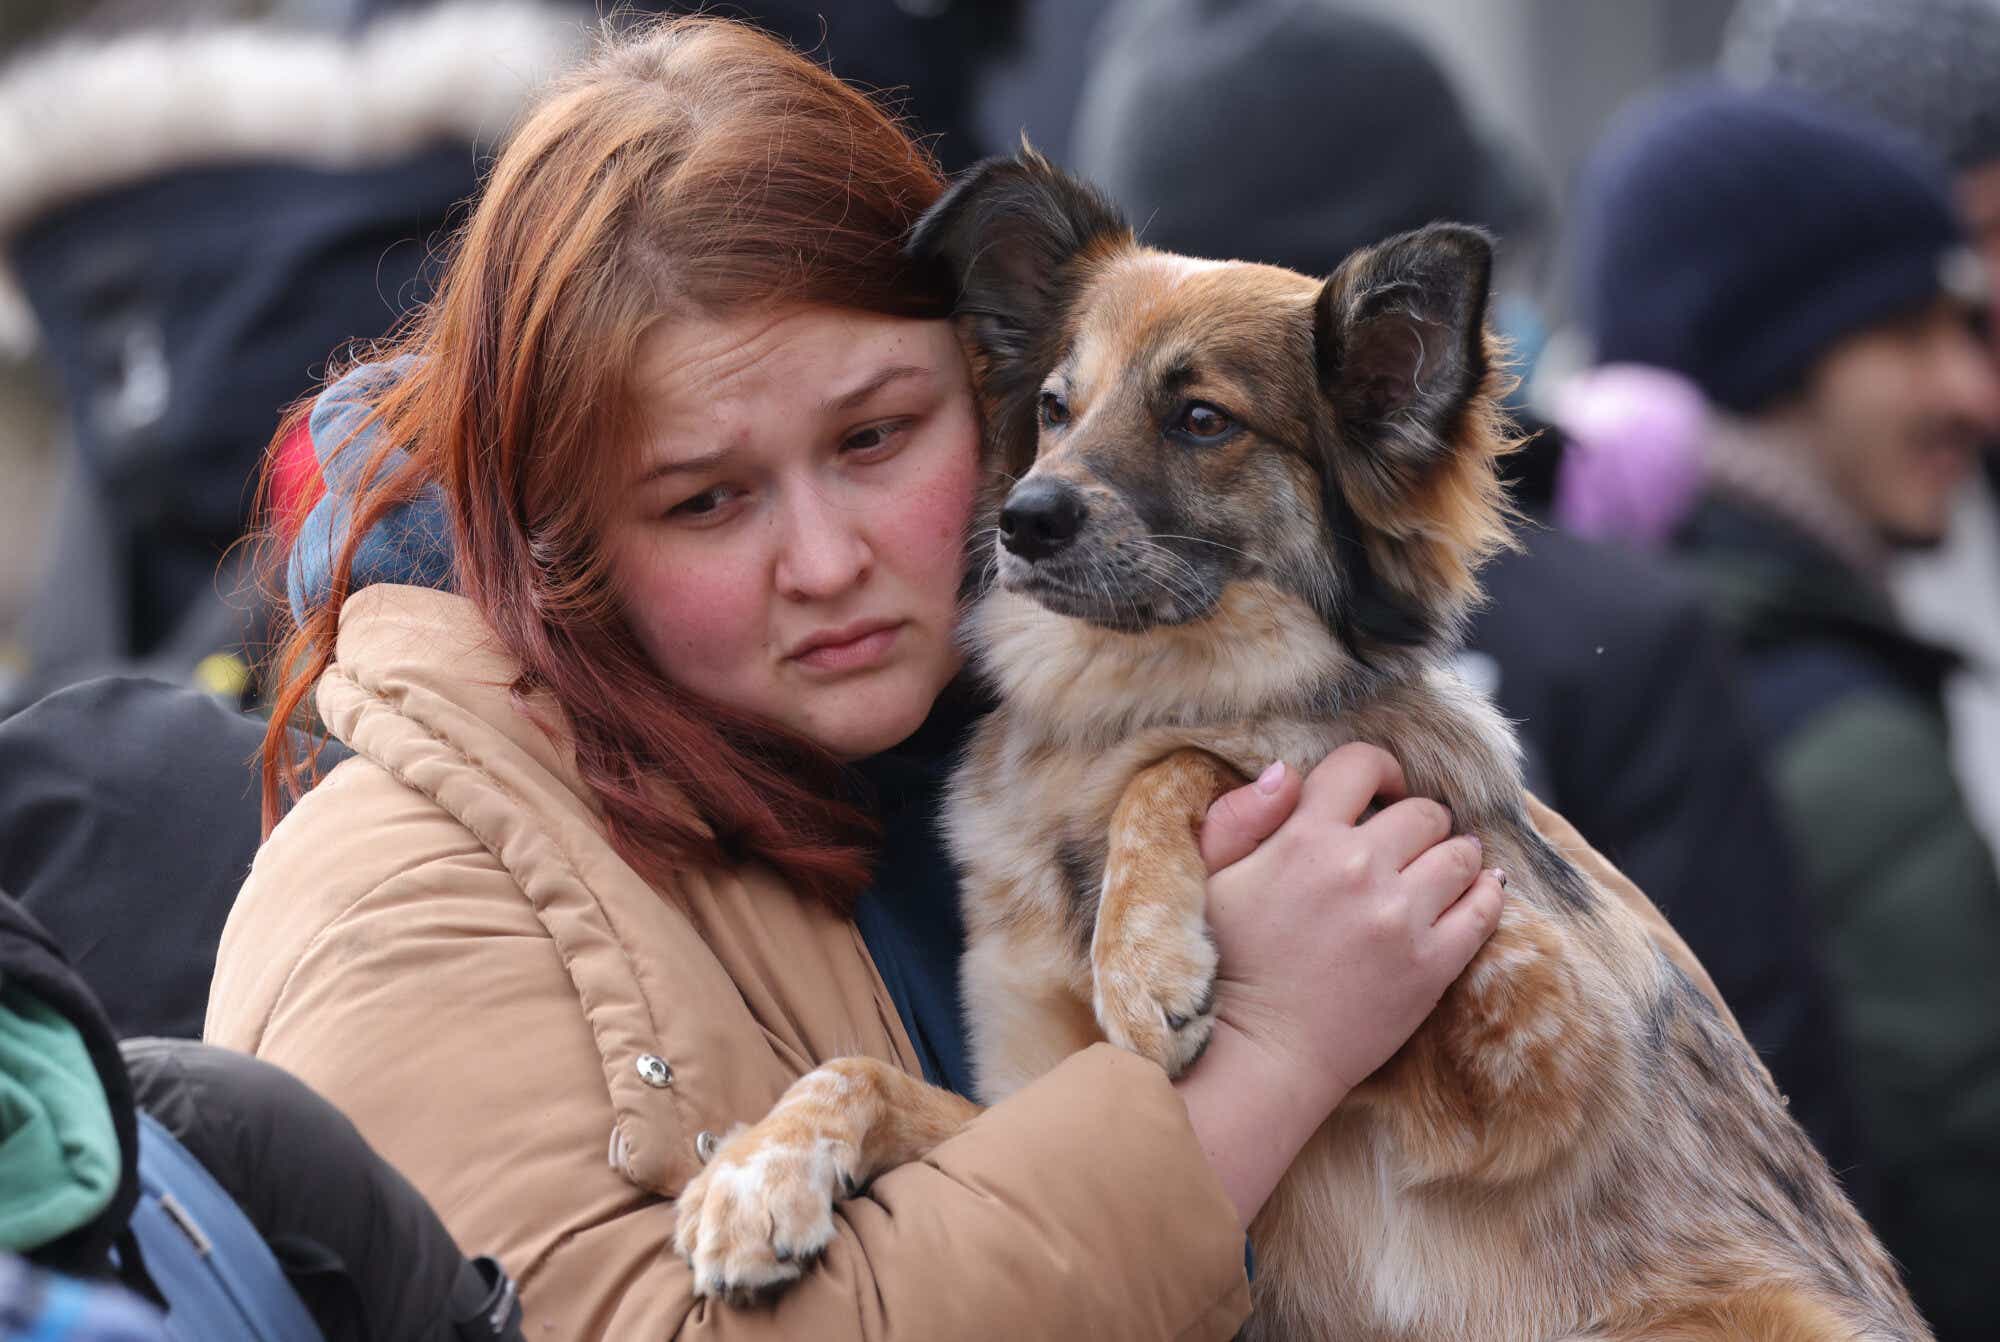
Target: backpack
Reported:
[(210, 1266)]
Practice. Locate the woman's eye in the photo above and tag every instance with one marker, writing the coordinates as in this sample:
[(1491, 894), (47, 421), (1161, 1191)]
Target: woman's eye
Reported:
[(1054, 410), (875, 435), (1202, 420), (703, 505)]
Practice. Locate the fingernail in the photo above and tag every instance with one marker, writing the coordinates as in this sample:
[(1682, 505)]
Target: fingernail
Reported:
[(1268, 781), (1476, 844), (1501, 877)]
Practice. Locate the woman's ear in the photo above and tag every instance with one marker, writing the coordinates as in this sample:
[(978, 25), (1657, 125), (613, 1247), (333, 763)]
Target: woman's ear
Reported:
[(1009, 230), (1399, 333)]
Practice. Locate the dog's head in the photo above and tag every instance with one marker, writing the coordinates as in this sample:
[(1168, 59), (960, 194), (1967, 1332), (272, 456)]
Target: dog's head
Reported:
[(1178, 426)]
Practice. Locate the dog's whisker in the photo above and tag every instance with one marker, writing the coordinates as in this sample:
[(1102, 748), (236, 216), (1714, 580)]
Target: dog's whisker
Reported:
[(1198, 540), (1115, 593), (1186, 575), (1185, 592), (1181, 580), (1154, 548), (1198, 596)]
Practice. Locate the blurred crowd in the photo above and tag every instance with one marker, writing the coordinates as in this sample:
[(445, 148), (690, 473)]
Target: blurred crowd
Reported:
[(1751, 635)]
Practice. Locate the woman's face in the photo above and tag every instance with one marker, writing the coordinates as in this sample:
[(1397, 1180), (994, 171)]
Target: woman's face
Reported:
[(793, 537)]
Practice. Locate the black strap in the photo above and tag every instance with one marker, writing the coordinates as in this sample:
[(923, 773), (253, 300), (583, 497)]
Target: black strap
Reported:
[(129, 1267), (485, 1307)]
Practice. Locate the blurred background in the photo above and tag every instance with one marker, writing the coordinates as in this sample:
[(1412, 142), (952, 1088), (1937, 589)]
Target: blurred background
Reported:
[(1752, 639), (1542, 74)]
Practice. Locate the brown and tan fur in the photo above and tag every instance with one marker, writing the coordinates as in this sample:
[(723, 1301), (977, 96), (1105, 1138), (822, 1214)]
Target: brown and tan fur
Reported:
[(1577, 1144)]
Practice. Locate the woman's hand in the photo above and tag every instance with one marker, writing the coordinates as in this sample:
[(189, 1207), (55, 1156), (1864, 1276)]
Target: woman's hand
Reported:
[(1337, 937)]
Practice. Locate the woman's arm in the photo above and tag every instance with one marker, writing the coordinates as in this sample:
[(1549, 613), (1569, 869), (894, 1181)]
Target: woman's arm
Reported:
[(438, 1014), (435, 1009)]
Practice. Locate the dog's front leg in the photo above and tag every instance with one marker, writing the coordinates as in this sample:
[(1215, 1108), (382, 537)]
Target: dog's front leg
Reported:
[(762, 1210), (1152, 960)]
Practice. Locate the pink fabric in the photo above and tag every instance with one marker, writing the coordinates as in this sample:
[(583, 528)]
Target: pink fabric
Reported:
[(1632, 466)]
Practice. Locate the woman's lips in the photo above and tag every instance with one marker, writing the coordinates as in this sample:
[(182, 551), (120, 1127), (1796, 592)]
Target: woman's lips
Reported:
[(852, 654)]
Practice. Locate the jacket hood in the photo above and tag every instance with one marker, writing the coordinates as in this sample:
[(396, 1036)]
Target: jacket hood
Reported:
[(411, 654), (32, 963), (61, 1169)]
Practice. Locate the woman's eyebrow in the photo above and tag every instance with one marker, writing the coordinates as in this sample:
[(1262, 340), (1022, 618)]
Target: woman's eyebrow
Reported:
[(684, 465), (847, 400)]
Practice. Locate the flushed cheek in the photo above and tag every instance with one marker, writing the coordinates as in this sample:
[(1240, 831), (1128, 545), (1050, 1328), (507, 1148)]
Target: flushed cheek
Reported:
[(702, 625), (926, 533), (930, 530)]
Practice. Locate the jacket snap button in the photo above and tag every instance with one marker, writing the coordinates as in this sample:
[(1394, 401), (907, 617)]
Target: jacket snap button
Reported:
[(704, 1146), (653, 1070)]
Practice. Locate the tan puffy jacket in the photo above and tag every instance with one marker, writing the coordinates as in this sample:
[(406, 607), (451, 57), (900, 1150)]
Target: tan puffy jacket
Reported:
[(439, 939)]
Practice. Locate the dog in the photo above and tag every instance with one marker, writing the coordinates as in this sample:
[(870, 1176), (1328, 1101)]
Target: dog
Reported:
[(1247, 524)]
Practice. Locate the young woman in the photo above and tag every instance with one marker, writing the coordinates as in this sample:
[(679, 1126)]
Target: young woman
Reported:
[(695, 454)]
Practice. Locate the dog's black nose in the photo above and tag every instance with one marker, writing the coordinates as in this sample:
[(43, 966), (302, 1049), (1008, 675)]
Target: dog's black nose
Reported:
[(1040, 517)]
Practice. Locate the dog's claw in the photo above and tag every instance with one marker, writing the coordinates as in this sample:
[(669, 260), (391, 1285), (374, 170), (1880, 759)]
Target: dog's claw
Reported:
[(1205, 1007), (761, 1212), (1171, 1021)]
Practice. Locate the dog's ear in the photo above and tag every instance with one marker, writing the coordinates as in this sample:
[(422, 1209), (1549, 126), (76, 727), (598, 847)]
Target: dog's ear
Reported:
[(1399, 333), (1399, 336), (1008, 230)]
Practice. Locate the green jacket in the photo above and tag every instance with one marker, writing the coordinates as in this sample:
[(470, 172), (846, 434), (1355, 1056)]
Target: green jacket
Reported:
[(1849, 707)]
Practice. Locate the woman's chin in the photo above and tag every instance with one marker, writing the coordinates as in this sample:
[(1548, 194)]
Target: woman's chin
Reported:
[(864, 719)]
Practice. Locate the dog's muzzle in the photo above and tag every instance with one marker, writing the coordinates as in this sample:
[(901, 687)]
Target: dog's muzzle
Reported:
[(1041, 517)]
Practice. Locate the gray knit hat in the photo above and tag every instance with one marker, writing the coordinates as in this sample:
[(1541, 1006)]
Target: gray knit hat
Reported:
[(1931, 67), (1286, 131)]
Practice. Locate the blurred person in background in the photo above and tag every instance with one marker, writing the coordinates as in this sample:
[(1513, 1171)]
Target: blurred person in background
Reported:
[(1308, 131), (1805, 268), (193, 213), (1931, 67), (925, 58), (128, 820)]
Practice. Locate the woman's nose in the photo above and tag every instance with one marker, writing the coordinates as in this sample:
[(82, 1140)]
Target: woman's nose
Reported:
[(824, 550)]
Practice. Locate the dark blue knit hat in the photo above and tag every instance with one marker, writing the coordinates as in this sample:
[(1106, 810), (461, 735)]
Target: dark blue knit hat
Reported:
[(1734, 236)]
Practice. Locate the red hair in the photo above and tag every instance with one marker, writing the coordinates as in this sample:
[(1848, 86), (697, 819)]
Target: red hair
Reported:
[(690, 164)]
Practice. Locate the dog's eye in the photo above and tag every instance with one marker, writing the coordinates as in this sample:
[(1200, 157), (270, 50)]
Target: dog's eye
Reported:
[(1054, 410), (1202, 420)]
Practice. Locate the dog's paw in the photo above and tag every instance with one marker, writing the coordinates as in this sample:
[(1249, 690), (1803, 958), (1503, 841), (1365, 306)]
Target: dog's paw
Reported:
[(762, 1211), (1154, 990)]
